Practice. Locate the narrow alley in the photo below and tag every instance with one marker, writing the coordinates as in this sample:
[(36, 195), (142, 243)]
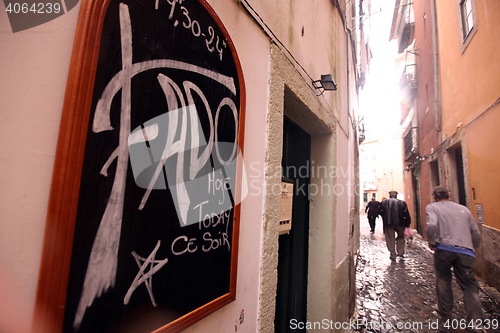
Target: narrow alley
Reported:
[(400, 296)]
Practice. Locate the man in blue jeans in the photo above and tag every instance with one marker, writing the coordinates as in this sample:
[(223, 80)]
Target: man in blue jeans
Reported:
[(453, 234)]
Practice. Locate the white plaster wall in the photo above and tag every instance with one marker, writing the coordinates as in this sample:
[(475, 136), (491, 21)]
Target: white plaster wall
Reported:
[(309, 29), (343, 201), (321, 231), (34, 67), (344, 159)]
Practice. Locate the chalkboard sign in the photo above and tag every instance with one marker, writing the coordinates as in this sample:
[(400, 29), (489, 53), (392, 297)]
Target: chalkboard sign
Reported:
[(147, 179)]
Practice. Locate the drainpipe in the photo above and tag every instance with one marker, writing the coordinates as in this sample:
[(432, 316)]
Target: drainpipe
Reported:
[(437, 96)]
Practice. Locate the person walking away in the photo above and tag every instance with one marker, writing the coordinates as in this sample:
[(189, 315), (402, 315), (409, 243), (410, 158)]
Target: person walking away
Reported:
[(373, 209), (396, 218), (453, 235)]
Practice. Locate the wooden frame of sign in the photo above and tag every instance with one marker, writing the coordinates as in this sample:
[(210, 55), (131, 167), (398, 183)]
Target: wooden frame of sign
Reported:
[(134, 240)]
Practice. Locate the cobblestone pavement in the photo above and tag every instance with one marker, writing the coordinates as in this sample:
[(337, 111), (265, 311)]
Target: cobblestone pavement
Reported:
[(400, 296)]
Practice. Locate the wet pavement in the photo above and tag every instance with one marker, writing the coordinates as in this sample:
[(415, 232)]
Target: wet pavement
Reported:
[(400, 296)]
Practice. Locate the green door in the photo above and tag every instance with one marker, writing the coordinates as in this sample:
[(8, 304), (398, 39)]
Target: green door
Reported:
[(291, 299)]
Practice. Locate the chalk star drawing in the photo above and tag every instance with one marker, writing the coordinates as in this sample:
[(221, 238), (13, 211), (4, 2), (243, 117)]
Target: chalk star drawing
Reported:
[(143, 276)]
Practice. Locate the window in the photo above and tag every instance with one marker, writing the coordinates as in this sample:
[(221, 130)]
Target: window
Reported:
[(467, 17), (425, 25), (466, 10), (435, 179)]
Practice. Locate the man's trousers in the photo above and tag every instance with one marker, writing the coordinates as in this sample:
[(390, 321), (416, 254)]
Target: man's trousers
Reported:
[(463, 266), (395, 244)]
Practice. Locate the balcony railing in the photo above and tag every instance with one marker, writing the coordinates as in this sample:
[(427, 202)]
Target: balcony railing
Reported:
[(405, 36), (411, 144), (409, 77)]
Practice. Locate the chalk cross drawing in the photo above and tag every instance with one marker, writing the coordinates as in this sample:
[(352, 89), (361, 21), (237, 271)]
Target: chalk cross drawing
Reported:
[(143, 276), (102, 266)]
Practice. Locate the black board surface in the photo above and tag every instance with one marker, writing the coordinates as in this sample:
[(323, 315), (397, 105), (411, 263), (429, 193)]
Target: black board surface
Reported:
[(154, 228)]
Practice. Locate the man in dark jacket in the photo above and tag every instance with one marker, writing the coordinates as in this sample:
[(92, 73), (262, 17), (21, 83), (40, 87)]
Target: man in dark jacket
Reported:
[(373, 209), (396, 218)]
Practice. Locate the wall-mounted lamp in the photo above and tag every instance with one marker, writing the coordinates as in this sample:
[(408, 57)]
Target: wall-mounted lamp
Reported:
[(326, 83)]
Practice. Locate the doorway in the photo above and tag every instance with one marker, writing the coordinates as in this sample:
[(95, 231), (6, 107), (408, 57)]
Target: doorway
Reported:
[(459, 162), (291, 298), (457, 175), (415, 178)]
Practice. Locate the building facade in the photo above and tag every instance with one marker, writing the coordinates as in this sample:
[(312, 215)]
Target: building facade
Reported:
[(381, 169), (291, 130), (420, 123), (451, 109)]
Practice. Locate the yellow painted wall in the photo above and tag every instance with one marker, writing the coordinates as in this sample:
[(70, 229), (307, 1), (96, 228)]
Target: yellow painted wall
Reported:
[(483, 138), (470, 84), (470, 79)]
